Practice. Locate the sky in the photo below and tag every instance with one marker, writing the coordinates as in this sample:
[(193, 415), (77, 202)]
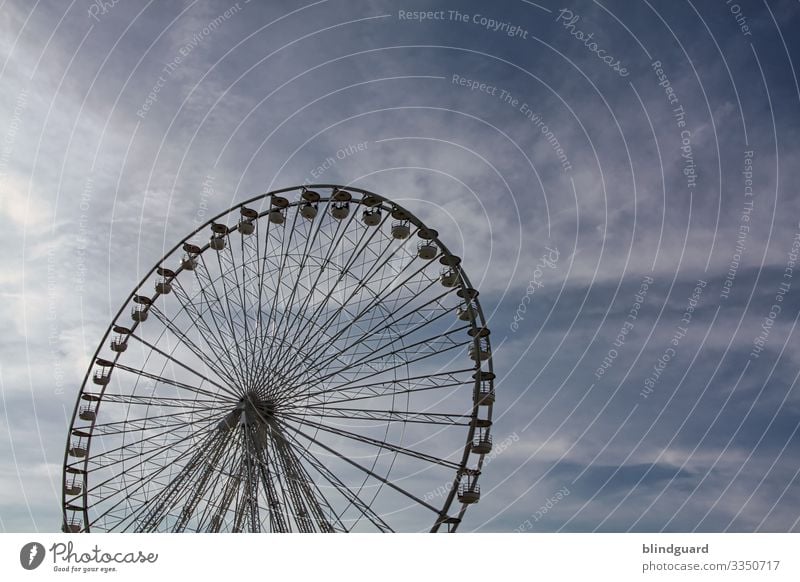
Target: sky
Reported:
[(619, 177)]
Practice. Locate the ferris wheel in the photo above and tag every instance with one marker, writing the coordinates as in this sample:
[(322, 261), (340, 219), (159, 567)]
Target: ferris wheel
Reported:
[(311, 360)]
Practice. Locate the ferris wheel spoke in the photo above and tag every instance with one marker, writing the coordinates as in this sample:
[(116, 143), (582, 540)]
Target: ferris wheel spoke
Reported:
[(307, 502), (292, 499), (360, 246), (438, 418), (133, 452), (318, 367), (295, 284), (271, 320), (271, 359), (200, 486), (308, 507), (383, 480), (220, 313), (235, 293), (370, 308), (307, 510), (212, 364), (250, 291), (217, 340), (209, 337), (157, 507), (128, 493), (252, 287), (175, 383), (362, 339), (432, 342), (374, 442), (320, 332), (387, 388), (143, 423), (226, 466), (252, 467), (362, 284), (349, 495), (185, 367), (222, 508), (160, 401)]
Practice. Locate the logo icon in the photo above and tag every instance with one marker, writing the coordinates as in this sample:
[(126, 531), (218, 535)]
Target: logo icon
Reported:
[(31, 555)]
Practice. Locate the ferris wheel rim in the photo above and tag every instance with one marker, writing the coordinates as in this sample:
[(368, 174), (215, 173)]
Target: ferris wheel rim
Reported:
[(369, 199)]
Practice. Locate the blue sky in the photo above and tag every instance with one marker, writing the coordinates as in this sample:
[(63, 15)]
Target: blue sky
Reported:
[(113, 118)]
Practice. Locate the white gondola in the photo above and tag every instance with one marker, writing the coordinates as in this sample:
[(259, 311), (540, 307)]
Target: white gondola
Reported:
[(401, 229), (426, 250), (188, 262), (219, 232), (466, 312), (276, 216), (469, 492), (246, 227), (73, 487), (449, 277), (482, 443), (247, 224), (340, 210), (485, 397), (484, 391), (163, 286), (78, 446), (217, 242), (480, 351), (102, 377), (308, 211), (119, 343), (71, 526), (371, 217), (139, 313), (88, 413)]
